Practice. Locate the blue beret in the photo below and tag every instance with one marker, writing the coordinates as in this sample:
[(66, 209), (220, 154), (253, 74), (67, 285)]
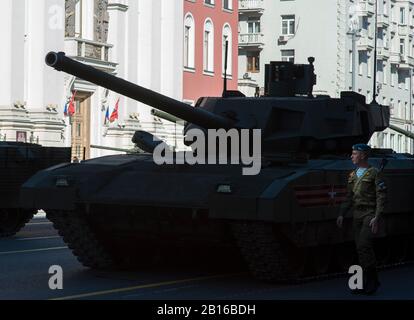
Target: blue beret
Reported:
[(361, 147)]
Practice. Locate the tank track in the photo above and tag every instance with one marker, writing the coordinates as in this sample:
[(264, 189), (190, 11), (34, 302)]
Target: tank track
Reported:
[(81, 239), (262, 253), (25, 217), (266, 260)]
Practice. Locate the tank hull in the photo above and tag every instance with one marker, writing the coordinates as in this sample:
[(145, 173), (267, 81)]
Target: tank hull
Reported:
[(128, 199)]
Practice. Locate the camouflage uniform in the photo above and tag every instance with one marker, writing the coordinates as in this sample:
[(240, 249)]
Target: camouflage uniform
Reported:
[(366, 198)]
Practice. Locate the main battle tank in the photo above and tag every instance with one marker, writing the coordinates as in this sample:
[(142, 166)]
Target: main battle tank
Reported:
[(125, 209), (18, 162)]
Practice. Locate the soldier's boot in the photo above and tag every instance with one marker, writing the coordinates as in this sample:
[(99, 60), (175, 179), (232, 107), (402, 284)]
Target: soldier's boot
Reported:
[(372, 284)]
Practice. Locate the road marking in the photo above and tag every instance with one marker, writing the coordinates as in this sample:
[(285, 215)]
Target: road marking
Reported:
[(37, 223), (145, 286), (38, 238), (32, 250)]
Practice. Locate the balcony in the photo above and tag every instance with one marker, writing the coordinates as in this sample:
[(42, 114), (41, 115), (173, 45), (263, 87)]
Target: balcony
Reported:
[(251, 40), (95, 54), (366, 8), (395, 57), (251, 6), (383, 53), (407, 62), (403, 30), (383, 21), (365, 42)]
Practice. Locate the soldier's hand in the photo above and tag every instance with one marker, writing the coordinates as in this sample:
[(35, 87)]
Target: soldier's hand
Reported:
[(374, 225), (339, 221)]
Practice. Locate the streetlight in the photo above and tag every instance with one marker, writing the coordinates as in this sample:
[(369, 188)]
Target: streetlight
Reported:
[(374, 100), (353, 31)]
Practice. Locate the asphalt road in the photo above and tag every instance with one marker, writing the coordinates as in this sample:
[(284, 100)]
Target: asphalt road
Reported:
[(26, 258)]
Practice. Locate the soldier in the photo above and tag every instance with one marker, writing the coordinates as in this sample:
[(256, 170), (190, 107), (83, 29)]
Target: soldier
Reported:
[(366, 199)]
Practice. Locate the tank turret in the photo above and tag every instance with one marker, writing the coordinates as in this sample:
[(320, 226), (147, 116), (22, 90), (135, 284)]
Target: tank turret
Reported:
[(292, 120)]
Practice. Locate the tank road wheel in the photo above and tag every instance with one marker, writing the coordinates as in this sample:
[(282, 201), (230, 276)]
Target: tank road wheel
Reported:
[(345, 255), (321, 258), (13, 220), (266, 257), (81, 239)]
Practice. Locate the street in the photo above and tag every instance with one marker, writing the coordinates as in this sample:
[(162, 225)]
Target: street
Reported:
[(25, 260)]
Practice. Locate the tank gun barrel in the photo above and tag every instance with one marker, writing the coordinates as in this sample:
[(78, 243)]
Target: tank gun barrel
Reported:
[(165, 115), (197, 116), (402, 131), (113, 149)]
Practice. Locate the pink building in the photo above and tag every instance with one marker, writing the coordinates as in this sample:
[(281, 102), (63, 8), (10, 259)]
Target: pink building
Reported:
[(208, 24)]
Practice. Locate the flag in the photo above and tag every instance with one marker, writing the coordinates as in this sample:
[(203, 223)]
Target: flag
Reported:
[(65, 110), (114, 115), (107, 115), (71, 110)]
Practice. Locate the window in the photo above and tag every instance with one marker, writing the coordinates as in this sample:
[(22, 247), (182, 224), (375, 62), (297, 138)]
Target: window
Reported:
[(208, 46), (392, 141), (369, 66), (393, 74), (288, 25), (384, 38), (253, 26), (398, 113), (380, 71), (78, 19), (227, 37), (209, 2), (402, 15), (227, 4), (365, 23), (385, 7), (288, 55), (189, 41), (78, 129), (361, 61), (407, 111), (401, 79), (385, 70), (402, 47), (253, 62)]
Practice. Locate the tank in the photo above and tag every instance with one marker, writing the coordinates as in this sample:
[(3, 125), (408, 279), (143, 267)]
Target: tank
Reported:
[(18, 162), (126, 209)]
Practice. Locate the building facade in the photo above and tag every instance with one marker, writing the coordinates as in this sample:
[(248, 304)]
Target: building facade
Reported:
[(138, 40), (340, 35), (208, 24)]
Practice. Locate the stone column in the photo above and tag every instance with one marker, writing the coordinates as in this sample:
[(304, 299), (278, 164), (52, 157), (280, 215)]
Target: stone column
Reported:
[(45, 24)]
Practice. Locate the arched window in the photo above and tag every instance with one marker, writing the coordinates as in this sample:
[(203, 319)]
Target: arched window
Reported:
[(189, 41), (208, 46), (227, 37)]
